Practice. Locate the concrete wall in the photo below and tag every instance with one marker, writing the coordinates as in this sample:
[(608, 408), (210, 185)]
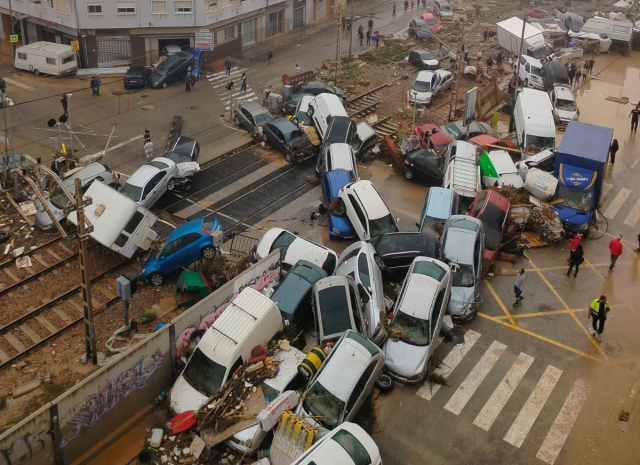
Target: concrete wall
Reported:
[(66, 16), (84, 416)]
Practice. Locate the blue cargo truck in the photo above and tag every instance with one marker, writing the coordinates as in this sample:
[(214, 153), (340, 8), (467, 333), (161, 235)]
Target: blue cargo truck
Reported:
[(580, 163)]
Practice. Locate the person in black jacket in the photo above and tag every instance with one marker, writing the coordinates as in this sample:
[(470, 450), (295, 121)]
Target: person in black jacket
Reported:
[(613, 150), (576, 259)]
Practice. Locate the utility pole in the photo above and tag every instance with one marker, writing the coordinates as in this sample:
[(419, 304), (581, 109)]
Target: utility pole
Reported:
[(85, 275), (351, 30), (13, 28), (337, 46), (517, 76), (458, 66), (415, 98)]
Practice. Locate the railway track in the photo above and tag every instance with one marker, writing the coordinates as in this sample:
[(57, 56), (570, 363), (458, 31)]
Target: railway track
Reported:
[(385, 127), (366, 103)]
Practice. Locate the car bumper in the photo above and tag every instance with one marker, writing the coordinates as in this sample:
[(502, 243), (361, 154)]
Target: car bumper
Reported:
[(337, 237), (466, 315), (412, 380), (134, 85)]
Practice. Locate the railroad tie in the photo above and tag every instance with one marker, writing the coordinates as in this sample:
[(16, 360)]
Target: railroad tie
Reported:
[(75, 305), (54, 255), (104, 291), (31, 333), (39, 259), (44, 322), (62, 246), (63, 315), (11, 275), (3, 357), (11, 339)]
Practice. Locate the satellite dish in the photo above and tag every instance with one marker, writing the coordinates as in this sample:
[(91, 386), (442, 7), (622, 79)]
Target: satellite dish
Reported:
[(51, 123)]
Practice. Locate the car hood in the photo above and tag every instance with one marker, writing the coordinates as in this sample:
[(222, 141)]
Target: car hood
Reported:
[(462, 299), (148, 266), (404, 359), (566, 115), (156, 78), (430, 62), (343, 225), (420, 96), (184, 397)]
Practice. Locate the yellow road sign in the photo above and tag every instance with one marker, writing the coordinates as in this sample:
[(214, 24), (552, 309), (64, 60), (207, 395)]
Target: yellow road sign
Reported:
[(13, 37), (75, 45)]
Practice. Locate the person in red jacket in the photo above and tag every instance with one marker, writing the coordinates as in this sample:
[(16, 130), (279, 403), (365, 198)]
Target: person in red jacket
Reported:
[(575, 242), (615, 247)]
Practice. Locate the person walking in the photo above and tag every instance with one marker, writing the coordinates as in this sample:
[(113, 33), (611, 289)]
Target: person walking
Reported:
[(349, 25), (297, 71), (243, 83), (576, 259), (368, 36), (613, 149), (635, 113), (492, 35), (585, 72), (147, 136), (187, 82), (361, 34), (489, 64), (393, 12), (98, 83), (485, 33), (370, 23), (406, 5), (192, 76), (376, 38), (499, 59), (573, 245), (148, 149), (412, 3), (598, 311), (577, 77), (592, 63), (479, 55), (227, 65), (518, 286), (615, 247), (65, 104), (269, 56), (344, 22), (93, 86), (571, 73)]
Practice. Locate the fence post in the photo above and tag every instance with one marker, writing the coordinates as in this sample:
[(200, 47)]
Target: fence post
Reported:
[(58, 456)]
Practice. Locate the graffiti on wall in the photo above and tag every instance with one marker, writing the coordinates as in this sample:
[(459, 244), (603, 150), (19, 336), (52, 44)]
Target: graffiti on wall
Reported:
[(27, 442), (97, 405), (269, 278)]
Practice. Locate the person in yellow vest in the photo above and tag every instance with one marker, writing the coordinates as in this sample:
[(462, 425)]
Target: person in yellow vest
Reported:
[(598, 313)]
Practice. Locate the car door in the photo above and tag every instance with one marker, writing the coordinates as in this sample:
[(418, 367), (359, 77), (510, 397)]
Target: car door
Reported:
[(412, 58), (364, 274), (247, 121), (479, 255), (436, 316), (358, 218), (191, 247), (158, 187), (359, 392), (170, 258), (436, 84), (279, 140)]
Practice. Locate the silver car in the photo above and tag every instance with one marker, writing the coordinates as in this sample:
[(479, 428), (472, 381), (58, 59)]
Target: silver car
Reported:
[(336, 308), (343, 383), (252, 116), (151, 181), (58, 200), (418, 313), (463, 244), (360, 263), (430, 85)]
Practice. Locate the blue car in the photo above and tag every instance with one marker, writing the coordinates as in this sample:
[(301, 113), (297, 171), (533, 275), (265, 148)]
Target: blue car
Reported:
[(340, 227), (186, 244)]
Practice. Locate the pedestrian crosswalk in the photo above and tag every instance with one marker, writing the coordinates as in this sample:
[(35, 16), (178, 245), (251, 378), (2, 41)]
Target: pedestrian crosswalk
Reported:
[(519, 370), (219, 83), (620, 202)]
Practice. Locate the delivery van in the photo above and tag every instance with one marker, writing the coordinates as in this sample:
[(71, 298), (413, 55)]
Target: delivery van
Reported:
[(322, 108), (251, 319), (461, 172), (46, 58), (533, 117)]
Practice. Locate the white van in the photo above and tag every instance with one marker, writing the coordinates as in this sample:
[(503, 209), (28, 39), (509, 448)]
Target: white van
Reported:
[(534, 120), (530, 72), (461, 172), (322, 108), (251, 319), (498, 169), (46, 58)]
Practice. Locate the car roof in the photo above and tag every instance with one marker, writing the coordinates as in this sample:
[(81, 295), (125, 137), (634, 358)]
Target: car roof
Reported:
[(426, 16), (330, 452), (443, 72), (284, 125), (86, 173), (498, 199), (425, 75), (418, 296), (439, 199), (254, 108), (147, 171), (501, 161), (371, 199), (564, 92), (337, 180), (186, 228)]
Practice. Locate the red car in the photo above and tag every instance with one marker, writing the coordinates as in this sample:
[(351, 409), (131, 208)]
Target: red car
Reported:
[(437, 141), (537, 13), (434, 24), (493, 210), (484, 139)]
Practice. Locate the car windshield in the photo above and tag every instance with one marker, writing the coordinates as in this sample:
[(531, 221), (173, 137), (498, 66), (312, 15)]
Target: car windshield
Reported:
[(566, 105), (535, 71), (323, 405), (396, 243), (445, 8), (383, 225), (430, 270), (493, 219), (334, 310), (135, 73), (131, 191), (422, 86), (541, 143), (453, 129), (431, 21), (161, 69), (579, 200), (263, 118), (59, 198), (304, 118), (282, 242), (158, 164), (309, 274), (419, 23), (203, 373), (426, 56), (542, 52), (464, 277), (417, 330), (354, 448), (337, 208)]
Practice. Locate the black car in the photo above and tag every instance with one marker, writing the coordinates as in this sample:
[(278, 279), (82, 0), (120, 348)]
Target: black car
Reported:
[(184, 150), (136, 77), (172, 69), (293, 295), (423, 59), (553, 73), (286, 137), (289, 107), (424, 164), (341, 130), (397, 250)]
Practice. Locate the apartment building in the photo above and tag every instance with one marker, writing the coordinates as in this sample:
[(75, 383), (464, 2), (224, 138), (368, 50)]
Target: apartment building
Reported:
[(122, 32)]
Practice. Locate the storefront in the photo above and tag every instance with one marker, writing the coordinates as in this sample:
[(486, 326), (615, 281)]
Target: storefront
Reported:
[(299, 8), (113, 50), (38, 29)]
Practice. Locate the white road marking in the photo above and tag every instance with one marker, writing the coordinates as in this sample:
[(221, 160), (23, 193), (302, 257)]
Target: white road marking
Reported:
[(18, 84), (532, 408), (244, 94), (503, 392), (234, 73), (247, 100), (617, 203), (449, 363), (606, 187), (633, 216), (475, 378), (632, 166), (117, 146), (564, 422)]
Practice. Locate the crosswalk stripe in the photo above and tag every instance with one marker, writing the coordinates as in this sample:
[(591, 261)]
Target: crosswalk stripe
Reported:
[(503, 392), (532, 408), (617, 203), (449, 363), (18, 84), (606, 187), (248, 92), (247, 100), (633, 217), (475, 378), (244, 94), (564, 422), (233, 74)]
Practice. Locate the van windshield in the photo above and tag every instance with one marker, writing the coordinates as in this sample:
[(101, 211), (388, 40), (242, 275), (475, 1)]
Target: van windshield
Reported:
[(59, 199), (324, 405), (204, 374), (540, 143), (579, 200), (541, 52)]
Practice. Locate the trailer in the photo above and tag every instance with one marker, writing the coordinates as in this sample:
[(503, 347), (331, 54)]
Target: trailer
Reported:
[(46, 58)]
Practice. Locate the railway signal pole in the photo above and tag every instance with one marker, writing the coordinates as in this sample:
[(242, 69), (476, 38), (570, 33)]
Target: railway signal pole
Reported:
[(85, 275)]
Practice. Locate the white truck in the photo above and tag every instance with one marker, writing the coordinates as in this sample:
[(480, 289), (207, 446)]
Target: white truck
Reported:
[(510, 32)]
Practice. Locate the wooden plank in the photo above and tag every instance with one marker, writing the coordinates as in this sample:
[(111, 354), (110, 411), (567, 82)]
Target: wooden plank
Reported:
[(54, 255), (11, 339), (20, 210), (76, 306), (11, 275), (71, 252), (104, 291), (39, 259), (46, 323), (30, 332), (3, 356), (63, 315)]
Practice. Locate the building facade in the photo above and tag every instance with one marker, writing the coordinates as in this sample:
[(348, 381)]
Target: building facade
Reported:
[(122, 32)]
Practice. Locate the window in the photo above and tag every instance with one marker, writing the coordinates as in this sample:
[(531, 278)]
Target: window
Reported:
[(213, 4), (125, 8), (94, 8), (68, 59), (158, 7), (51, 61), (22, 56), (274, 23), (229, 33), (133, 222), (183, 6), (360, 386)]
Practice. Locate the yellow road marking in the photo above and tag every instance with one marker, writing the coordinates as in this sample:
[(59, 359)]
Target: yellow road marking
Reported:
[(594, 269), (590, 265), (538, 336), (551, 312), (504, 309)]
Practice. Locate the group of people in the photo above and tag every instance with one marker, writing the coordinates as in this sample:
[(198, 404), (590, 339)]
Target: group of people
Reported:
[(575, 73), (406, 6), (370, 35), (489, 35)]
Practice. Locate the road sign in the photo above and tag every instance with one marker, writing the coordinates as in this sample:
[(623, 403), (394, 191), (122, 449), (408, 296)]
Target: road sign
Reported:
[(75, 45), (204, 41), (13, 38)]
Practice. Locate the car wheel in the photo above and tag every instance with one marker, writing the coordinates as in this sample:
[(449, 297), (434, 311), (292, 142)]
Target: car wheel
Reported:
[(156, 279), (209, 252), (4, 236), (408, 174), (36, 72), (380, 263), (287, 157), (562, 9), (322, 209), (164, 84), (237, 121), (310, 111), (384, 382), (253, 254), (171, 184)]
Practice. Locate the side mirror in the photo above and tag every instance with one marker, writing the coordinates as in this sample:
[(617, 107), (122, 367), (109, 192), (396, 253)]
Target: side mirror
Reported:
[(455, 268)]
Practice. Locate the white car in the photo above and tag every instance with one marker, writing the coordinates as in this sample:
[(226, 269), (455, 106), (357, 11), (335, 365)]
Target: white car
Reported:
[(337, 157), (361, 263), (300, 116), (544, 161), (348, 444), (418, 312), (565, 108), (151, 181), (366, 210), (294, 248), (429, 85), (530, 72)]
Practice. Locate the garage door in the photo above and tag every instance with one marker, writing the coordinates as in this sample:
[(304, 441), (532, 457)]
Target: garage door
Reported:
[(113, 51)]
